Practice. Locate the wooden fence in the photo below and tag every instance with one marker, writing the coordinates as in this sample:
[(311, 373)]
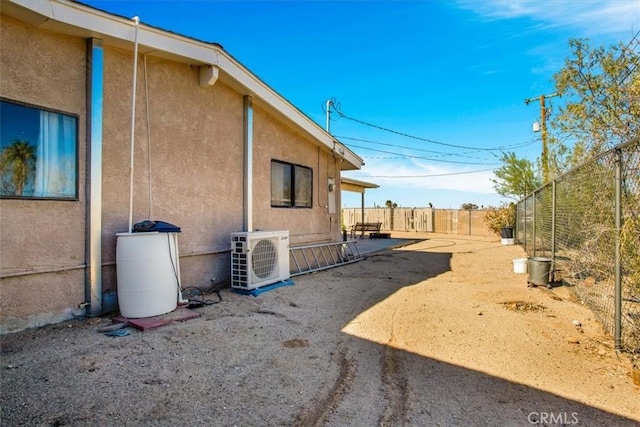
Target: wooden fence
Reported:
[(423, 220)]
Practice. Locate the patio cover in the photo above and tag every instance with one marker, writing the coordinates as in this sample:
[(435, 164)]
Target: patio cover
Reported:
[(353, 185)]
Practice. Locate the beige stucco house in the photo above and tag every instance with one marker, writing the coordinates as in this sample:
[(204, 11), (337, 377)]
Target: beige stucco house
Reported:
[(210, 144)]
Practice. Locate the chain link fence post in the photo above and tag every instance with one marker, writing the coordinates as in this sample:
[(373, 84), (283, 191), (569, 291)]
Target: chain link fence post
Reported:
[(618, 264)]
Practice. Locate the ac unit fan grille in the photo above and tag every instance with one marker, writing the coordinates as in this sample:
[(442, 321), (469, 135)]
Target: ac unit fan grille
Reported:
[(264, 258), (259, 258)]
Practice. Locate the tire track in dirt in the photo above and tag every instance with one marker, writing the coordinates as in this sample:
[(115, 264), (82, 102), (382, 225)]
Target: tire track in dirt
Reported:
[(395, 388), (318, 414)]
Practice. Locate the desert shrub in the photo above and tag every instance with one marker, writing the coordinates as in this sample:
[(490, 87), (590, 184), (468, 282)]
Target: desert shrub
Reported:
[(498, 217)]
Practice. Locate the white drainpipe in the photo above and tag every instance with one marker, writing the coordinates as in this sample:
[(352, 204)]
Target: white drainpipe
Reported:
[(248, 164)]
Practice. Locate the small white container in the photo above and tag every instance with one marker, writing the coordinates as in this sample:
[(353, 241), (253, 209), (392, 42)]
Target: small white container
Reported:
[(520, 265)]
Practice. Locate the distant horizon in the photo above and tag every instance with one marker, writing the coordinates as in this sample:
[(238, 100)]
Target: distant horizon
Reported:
[(480, 208)]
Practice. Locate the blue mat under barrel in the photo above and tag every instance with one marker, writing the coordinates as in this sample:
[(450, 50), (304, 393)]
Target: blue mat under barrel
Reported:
[(257, 291)]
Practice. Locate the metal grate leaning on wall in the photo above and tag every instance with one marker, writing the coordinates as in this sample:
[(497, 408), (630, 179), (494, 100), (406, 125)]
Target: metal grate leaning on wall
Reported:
[(588, 222)]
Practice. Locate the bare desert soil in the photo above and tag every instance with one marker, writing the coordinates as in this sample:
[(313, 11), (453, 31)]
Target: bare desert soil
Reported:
[(438, 333)]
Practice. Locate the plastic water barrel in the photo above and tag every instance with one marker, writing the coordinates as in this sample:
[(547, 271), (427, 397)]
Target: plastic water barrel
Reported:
[(148, 273)]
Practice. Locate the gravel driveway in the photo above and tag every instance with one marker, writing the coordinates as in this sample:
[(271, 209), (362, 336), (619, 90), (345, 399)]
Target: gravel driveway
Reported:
[(438, 333)]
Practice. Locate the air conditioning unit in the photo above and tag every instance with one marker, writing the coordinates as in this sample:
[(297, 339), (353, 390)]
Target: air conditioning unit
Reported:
[(259, 258)]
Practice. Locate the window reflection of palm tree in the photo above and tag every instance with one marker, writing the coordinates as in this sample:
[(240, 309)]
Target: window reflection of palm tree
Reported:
[(19, 159)]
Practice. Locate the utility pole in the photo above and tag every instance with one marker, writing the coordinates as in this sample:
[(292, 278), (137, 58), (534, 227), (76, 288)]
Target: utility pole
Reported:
[(543, 128), (328, 112)]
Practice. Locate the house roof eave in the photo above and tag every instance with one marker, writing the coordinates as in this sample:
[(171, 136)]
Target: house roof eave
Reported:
[(356, 186), (77, 19)]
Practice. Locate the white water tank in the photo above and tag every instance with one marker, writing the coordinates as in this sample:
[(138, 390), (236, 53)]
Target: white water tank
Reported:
[(148, 272)]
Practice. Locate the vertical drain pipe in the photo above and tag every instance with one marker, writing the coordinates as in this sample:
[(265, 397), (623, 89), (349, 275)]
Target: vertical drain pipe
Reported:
[(93, 186), (247, 214), (146, 99), (136, 21)]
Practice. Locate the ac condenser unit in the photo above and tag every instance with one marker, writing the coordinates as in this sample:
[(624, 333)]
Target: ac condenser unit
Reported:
[(259, 258)]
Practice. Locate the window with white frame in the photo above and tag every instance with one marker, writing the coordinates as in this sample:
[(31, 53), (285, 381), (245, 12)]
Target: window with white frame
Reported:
[(291, 185), (38, 152)]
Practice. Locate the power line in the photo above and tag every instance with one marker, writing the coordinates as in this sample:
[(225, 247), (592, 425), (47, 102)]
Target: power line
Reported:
[(622, 52), (391, 145), (428, 176), (439, 153), (419, 157), (434, 158), (475, 150), (413, 136)]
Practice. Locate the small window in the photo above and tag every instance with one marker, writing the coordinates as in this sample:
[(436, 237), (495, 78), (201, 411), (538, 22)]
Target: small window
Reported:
[(291, 185), (38, 153)]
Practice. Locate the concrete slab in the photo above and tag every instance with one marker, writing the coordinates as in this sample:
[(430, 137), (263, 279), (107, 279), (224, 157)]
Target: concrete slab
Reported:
[(366, 245)]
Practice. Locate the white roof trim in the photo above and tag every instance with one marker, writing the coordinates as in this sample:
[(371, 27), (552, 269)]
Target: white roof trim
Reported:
[(357, 182), (102, 24)]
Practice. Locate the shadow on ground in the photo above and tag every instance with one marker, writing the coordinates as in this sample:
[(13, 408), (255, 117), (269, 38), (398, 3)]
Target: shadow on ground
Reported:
[(273, 360)]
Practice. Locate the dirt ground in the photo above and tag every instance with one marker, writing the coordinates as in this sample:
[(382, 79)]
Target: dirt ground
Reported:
[(438, 333)]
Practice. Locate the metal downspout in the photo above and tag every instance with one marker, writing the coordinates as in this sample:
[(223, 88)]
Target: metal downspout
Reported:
[(247, 214), (93, 185), (136, 22)]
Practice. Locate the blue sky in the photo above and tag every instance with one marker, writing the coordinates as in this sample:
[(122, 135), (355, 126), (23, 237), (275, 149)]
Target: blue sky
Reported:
[(454, 74)]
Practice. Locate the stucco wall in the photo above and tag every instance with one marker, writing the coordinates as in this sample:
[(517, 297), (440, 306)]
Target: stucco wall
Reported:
[(44, 70), (194, 138), (274, 140), (188, 170)]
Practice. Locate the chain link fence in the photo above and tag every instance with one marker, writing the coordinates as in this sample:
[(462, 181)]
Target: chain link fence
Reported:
[(587, 222)]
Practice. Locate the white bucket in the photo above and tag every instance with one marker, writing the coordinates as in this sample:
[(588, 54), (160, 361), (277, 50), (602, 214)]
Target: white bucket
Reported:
[(508, 242), (520, 265)]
